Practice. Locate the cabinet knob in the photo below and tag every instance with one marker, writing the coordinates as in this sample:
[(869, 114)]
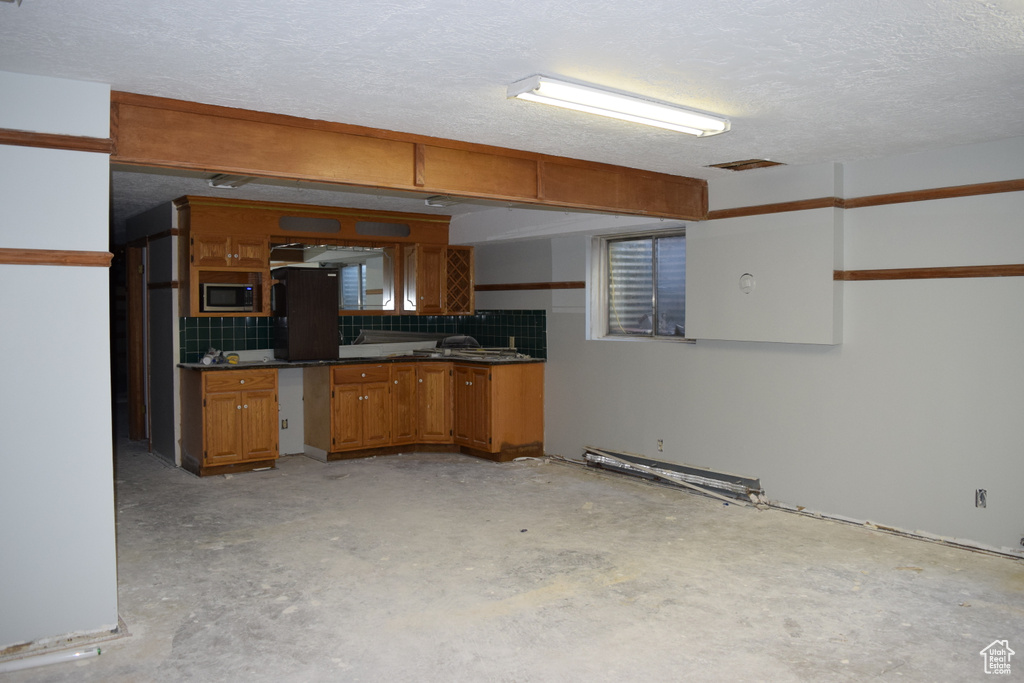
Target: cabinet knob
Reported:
[(363, 375), (238, 407), (421, 381), (396, 381), (241, 381), (367, 398), (246, 406), (360, 398), (236, 255)]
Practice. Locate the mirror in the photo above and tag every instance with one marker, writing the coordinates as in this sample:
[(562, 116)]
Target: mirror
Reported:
[(367, 274)]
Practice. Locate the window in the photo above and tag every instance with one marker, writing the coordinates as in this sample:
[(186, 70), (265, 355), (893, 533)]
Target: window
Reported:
[(642, 286)]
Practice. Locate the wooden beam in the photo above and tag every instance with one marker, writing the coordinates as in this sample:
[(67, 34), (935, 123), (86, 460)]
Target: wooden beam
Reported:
[(160, 132)]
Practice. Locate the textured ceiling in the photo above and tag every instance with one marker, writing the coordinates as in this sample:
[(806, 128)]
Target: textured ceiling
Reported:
[(803, 81)]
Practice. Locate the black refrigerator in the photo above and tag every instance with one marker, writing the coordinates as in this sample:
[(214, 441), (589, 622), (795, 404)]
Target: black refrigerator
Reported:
[(305, 304)]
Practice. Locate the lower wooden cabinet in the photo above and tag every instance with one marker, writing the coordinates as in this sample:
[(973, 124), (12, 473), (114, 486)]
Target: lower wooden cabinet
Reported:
[(229, 420), (421, 405), (433, 401), (499, 409), (347, 407), (366, 409), (473, 406)]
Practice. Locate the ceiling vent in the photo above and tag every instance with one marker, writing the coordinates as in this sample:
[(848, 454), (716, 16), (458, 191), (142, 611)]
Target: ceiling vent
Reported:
[(746, 164)]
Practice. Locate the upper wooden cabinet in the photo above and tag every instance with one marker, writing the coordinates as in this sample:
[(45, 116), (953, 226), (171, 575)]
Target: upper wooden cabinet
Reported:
[(229, 251), (225, 241), (460, 296), (438, 280)]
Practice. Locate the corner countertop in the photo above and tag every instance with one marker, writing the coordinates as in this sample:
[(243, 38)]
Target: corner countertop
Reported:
[(412, 358)]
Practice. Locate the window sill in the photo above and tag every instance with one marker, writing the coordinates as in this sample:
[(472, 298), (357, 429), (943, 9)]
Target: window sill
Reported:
[(670, 340)]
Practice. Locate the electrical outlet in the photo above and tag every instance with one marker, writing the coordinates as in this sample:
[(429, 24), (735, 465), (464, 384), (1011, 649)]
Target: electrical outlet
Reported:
[(980, 498), (661, 445), (284, 424)]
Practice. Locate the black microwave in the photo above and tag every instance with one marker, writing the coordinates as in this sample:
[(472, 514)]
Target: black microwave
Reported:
[(221, 297)]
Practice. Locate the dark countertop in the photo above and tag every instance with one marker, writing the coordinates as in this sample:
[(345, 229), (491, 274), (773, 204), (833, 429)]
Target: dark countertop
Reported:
[(284, 364)]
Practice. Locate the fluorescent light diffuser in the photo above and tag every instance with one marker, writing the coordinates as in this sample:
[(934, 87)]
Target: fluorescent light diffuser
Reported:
[(617, 105)]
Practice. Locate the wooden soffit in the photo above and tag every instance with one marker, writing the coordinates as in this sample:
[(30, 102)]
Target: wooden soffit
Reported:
[(160, 132)]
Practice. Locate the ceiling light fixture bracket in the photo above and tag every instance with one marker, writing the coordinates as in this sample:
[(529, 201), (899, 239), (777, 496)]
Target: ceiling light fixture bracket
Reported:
[(441, 201), (223, 181)]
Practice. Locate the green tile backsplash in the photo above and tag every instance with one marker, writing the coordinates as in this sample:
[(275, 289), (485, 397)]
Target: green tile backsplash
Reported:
[(490, 328)]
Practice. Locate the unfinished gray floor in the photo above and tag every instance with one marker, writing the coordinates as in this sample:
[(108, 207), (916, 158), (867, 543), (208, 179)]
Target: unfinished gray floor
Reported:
[(437, 567)]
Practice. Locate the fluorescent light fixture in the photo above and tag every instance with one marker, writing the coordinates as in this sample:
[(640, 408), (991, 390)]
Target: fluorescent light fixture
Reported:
[(225, 181), (594, 100)]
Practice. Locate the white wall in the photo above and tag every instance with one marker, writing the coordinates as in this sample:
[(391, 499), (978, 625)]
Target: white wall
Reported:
[(57, 553), (920, 404)]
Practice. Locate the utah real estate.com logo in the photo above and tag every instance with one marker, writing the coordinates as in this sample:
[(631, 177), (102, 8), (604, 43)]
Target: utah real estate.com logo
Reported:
[(997, 657)]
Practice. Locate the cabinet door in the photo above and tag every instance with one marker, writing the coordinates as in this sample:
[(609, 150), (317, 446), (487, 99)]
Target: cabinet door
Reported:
[(433, 403), (376, 414), (249, 252), (424, 279), (472, 407), (211, 250), (259, 425), (346, 416), (222, 428), (481, 436), (403, 404)]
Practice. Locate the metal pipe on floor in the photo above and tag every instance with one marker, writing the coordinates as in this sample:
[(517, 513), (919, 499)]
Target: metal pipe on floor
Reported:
[(49, 658)]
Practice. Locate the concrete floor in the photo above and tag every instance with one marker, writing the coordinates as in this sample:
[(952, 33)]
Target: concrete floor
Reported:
[(438, 567)]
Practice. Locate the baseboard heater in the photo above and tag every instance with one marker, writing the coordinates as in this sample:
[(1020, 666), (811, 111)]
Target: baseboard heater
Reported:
[(715, 484)]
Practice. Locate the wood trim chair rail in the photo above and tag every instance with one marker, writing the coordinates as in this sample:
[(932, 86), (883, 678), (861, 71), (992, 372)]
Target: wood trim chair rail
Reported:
[(1008, 270), (55, 257), (522, 286), (75, 143)]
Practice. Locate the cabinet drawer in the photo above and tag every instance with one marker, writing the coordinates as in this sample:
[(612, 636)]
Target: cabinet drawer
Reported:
[(355, 374), (234, 380)]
